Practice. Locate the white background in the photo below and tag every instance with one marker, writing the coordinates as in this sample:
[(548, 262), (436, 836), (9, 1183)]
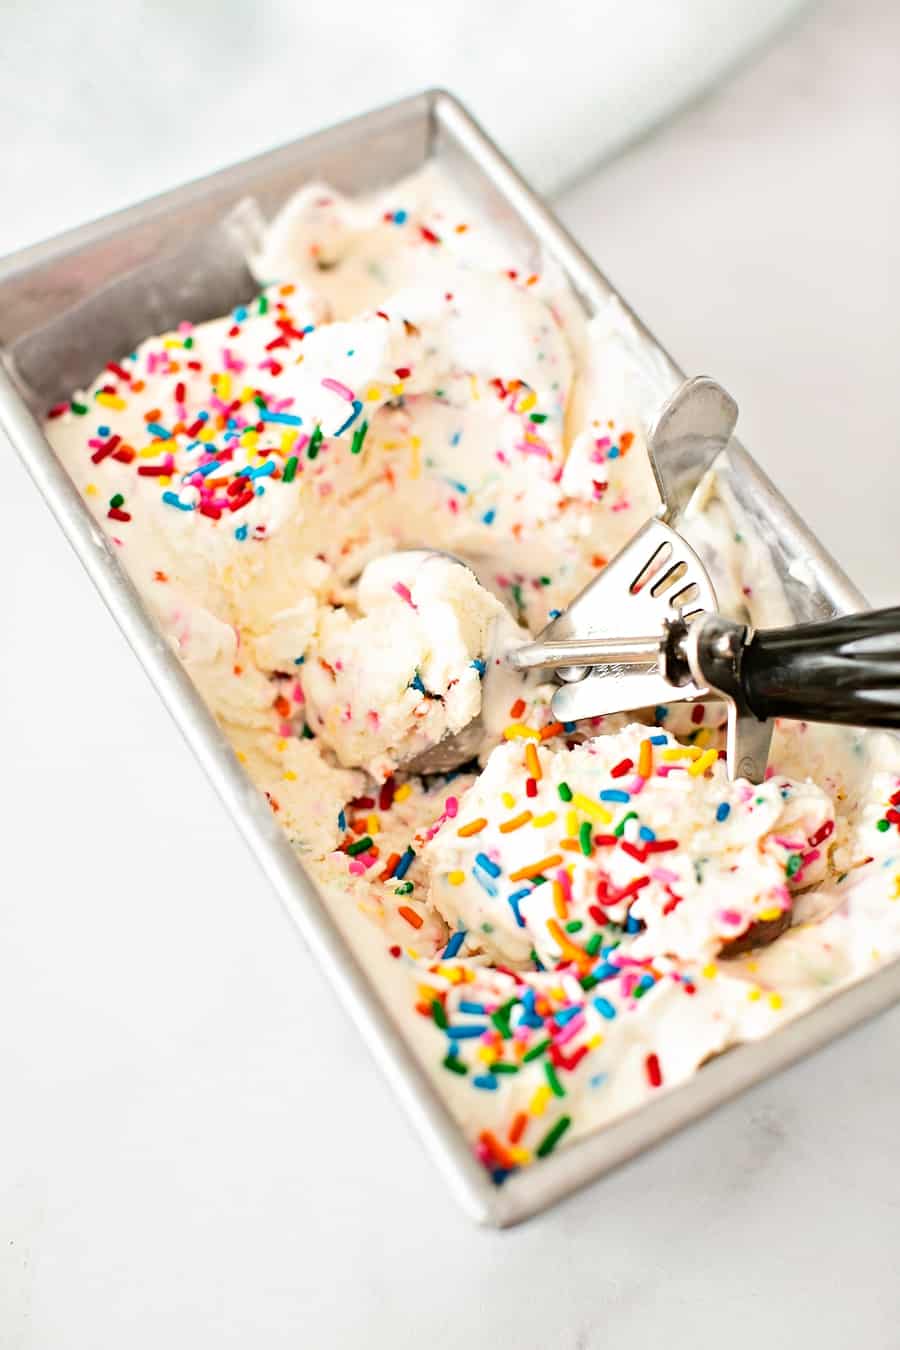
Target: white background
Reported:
[(194, 1149)]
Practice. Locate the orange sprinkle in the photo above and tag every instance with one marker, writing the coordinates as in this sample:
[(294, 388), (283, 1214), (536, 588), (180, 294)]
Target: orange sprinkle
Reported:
[(515, 822), (625, 441), (572, 845), (153, 415), (552, 729), (496, 1149), (517, 709), (517, 1128), (532, 763), (645, 759), (410, 916), (473, 827), (389, 866), (566, 946), (559, 901), (282, 707), (534, 869)]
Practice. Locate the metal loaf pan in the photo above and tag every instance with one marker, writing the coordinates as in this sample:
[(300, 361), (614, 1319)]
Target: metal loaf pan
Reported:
[(72, 303)]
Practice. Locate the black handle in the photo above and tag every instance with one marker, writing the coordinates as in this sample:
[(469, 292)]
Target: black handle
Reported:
[(843, 670)]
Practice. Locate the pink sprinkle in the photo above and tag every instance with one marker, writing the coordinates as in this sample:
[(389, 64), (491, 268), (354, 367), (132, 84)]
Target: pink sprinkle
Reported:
[(603, 442), (451, 807), (664, 875), (285, 729), (636, 785), (528, 449), (732, 918), (337, 388), (232, 362), (356, 867), (404, 594), (571, 1029), (564, 880), (297, 692)]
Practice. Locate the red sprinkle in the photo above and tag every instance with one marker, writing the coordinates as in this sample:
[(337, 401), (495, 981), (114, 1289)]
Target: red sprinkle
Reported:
[(517, 708), (654, 1072), (530, 787), (429, 235), (116, 513), (386, 795), (622, 768), (825, 830)]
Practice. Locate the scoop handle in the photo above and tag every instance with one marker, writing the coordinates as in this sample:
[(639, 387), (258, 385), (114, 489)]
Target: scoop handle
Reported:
[(844, 670)]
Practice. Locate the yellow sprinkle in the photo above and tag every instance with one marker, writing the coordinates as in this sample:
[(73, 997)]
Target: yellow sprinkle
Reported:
[(706, 761), (455, 974), (528, 402), (402, 792), (538, 1104), (171, 343), (239, 754), (595, 1042), (532, 763), (112, 401), (397, 389), (247, 393), (768, 914), (373, 824), (206, 434), (290, 776), (540, 822), (456, 878), (373, 394), (703, 737), (487, 1054), (517, 731), (896, 894), (710, 971), (571, 823), (223, 386), (164, 480), (412, 953), (426, 993), (281, 746), (520, 1155), (753, 967), (91, 490), (249, 438), (288, 441), (473, 381), (754, 995), (593, 810), (507, 799), (681, 752), (776, 1001), (415, 461)]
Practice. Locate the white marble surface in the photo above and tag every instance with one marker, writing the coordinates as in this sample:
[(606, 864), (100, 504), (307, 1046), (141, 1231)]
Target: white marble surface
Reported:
[(183, 1155)]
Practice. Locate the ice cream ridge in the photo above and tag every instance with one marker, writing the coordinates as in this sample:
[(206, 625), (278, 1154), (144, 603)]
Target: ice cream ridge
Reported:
[(583, 915)]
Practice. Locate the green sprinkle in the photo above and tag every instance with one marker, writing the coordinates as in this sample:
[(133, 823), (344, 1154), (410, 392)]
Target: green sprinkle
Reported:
[(882, 825), (188, 343), (588, 981), (359, 436), (360, 845), (575, 926), (454, 1064), (552, 1137), (516, 592), (538, 418), (536, 1051), (290, 469), (260, 402), (437, 1012), (565, 792), (500, 1018), (263, 304), (794, 863), (404, 889), (620, 828), (592, 946), (119, 500), (556, 1086), (79, 408), (584, 838), (504, 1068), (308, 733), (315, 441)]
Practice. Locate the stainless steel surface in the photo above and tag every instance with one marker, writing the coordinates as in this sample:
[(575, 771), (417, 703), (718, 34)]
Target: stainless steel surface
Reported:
[(712, 649), (692, 428), (569, 651), (35, 286)]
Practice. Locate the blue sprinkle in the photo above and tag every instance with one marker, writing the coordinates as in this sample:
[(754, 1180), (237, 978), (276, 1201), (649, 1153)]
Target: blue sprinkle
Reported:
[(205, 470), (342, 821), (493, 869), (456, 438), (103, 431), (659, 740), (457, 485), (605, 1008), (554, 614), (599, 1079), (156, 430), (453, 947), (660, 713), (400, 217), (466, 1005), (514, 900), (416, 683), (646, 982), (241, 532), (723, 811), (262, 472), (632, 924), (489, 1083), (484, 881), (603, 970), (568, 727), (489, 516), (404, 865), (171, 499), (203, 416), (260, 491), (613, 452), (479, 665), (298, 660), (357, 409), (468, 1032), (240, 313), (288, 419), (646, 833), (615, 795), (566, 1014)]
